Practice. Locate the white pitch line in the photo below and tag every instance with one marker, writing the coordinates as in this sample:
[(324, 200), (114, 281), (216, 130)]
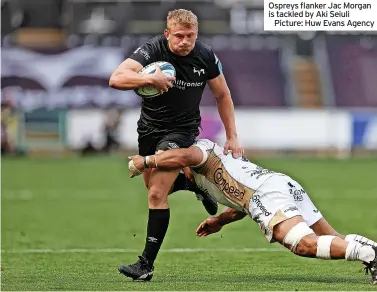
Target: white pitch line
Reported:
[(120, 250)]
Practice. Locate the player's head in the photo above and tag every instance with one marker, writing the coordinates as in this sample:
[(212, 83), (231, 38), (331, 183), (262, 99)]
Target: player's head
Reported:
[(181, 31)]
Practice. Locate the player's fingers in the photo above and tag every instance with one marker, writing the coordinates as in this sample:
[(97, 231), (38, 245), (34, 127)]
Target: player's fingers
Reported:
[(237, 153), (226, 149), (170, 85), (201, 227), (170, 78), (158, 68)]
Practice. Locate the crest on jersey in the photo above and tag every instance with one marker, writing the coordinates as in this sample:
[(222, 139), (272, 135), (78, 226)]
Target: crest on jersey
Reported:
[(199, 71)]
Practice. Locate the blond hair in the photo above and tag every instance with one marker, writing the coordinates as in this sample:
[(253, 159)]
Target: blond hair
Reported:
[(182, 17)]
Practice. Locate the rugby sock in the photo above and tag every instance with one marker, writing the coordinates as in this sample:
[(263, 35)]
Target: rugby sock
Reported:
[(357, 252), (158, 222), (360, 239), (181, 183)]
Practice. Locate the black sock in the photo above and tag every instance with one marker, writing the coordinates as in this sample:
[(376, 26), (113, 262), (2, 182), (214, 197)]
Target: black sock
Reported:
[(158, 223), (181, 183)]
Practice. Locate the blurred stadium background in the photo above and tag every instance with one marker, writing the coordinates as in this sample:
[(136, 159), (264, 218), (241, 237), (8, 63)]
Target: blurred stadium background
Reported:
[(300, 92), (307, 94)]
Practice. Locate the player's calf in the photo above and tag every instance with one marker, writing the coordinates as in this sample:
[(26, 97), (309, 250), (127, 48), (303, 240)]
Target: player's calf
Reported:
[(302, 241), (322, 227)]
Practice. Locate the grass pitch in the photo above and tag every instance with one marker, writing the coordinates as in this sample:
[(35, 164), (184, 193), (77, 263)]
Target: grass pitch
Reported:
[(67, 224)]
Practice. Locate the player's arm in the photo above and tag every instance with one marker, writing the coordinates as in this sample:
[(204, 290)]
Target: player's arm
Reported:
[(126, 76), (225, 106), (168, 160), (215, 224), (220, 90)]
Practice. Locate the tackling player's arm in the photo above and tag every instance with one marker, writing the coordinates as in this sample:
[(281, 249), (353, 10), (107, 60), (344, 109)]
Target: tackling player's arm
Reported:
[(168, 160), (215, 224)]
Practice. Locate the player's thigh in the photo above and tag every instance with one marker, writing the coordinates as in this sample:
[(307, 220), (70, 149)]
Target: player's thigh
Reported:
[(322, 227), (146, 175), (161, 182), (306, 207), (178, 139), (272, 204)]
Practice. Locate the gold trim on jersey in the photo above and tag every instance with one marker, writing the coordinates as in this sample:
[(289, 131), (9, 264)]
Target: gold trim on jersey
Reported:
[(215, 172), (276, 219)]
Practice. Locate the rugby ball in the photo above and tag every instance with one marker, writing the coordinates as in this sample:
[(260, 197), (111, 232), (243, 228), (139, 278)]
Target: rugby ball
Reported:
[(149, 91)]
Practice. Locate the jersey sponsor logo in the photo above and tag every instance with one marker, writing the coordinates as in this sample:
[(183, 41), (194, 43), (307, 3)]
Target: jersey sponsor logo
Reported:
[(257, 201), (297, 193), (224, 185), (291, 209), (143, 52), (260, 171), (198, 71), (216, 174), (180, 84)]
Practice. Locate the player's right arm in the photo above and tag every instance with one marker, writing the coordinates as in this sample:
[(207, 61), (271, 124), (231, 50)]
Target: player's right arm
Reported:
[(168, 160), (126, 76)]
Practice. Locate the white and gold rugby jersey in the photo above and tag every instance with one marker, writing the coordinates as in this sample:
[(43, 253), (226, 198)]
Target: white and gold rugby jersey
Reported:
[(232, 182)]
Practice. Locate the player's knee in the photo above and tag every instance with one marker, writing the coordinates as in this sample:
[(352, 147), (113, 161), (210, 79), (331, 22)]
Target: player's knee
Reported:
[(299, 239), (156, 196), (307, 246)]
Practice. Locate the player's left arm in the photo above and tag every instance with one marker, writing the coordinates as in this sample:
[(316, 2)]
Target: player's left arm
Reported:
[(220, 90), (214, 224), (167, 160)]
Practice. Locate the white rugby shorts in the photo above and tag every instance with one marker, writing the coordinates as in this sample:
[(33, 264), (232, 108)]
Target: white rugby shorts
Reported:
[(280, 198)]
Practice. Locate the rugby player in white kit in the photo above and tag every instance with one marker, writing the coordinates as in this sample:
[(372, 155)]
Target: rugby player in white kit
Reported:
[(276, 202)]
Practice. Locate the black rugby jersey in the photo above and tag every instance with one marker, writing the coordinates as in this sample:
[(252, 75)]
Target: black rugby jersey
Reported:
[(179, 107)]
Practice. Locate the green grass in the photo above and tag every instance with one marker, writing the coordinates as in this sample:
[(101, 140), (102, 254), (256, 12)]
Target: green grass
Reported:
[(92, 204)]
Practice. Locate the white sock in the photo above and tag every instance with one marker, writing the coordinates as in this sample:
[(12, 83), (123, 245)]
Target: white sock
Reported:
[(357, 252), (360, 239)]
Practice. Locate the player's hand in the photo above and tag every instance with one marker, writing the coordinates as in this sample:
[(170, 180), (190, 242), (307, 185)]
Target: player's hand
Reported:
[(209, 226), (233, 145), (136, 165), (161, 81)]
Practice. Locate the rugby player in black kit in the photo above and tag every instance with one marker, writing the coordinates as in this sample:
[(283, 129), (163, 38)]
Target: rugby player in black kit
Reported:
[(172, 119)]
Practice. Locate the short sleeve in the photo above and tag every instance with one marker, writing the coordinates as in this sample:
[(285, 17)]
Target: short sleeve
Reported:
[(215, 67), (146, 54)]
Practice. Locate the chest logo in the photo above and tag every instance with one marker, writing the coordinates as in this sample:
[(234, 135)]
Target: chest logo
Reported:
[(199, 71)]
